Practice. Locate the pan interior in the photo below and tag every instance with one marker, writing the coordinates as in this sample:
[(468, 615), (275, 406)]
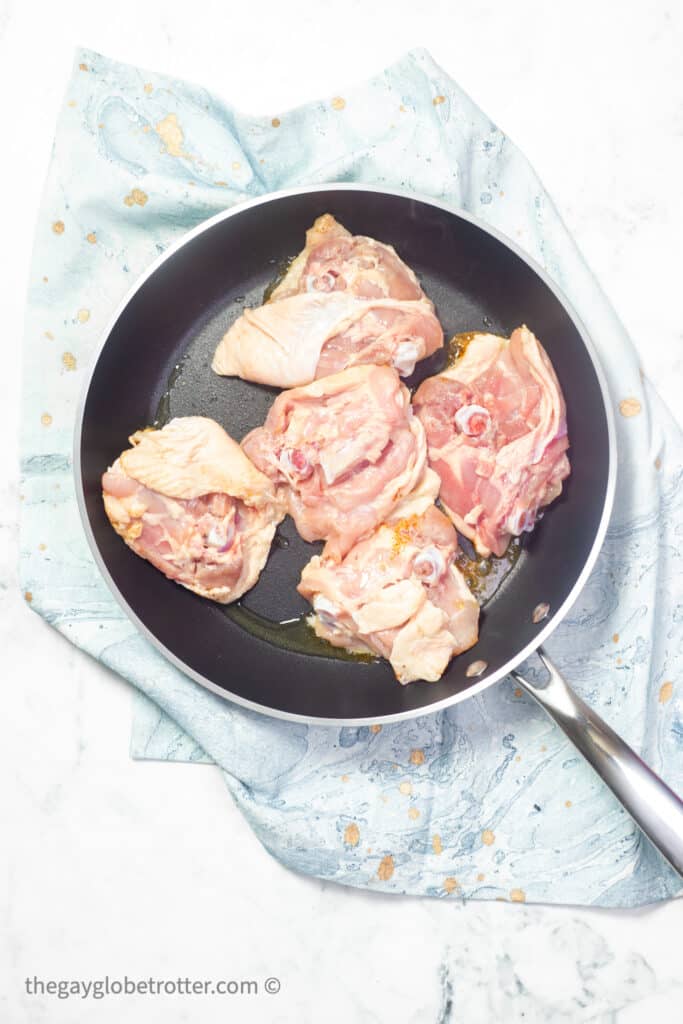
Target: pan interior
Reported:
[(155, 365), (273, 609)]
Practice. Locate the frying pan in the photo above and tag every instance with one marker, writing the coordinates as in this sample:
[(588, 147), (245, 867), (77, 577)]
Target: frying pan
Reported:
[(154, 363)]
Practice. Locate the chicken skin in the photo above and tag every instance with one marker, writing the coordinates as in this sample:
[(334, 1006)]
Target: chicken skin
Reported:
[(397, 594), (496, 429), (187, 499), (343, 453)]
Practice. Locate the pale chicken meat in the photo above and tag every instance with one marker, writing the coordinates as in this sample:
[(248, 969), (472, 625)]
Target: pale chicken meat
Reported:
[(343, 453), (334, 260), (187, 499), (346, 300), (497, 435), (305, 337), (398, 594)]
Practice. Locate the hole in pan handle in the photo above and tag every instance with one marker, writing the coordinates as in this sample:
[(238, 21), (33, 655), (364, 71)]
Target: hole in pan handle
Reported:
[(653, 806)]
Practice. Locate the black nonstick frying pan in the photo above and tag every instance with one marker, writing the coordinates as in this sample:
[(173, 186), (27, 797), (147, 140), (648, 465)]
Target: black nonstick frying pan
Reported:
[(154, 363)]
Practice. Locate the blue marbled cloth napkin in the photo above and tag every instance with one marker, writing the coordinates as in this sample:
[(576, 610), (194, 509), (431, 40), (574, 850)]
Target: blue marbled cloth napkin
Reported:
[(486, 800)]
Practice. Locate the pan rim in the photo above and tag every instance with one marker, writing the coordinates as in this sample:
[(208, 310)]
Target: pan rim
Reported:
[(552, 622)]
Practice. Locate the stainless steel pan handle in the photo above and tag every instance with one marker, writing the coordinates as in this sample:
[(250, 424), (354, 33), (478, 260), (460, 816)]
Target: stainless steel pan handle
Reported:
[(653, 806)]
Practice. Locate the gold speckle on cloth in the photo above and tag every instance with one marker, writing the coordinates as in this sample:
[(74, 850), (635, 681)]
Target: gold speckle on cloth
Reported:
[(84, 67), (46, 419), (148, 87), (91, 237), (567, 803), (402, 109), (615, 638), (352, 834), (386, 868), (417, 757), (236, 165), (69, 360), (450, 884), (338, 103), (83, 316), (480, 877), (58, 227), (406, 788), (629, 407), (413, 813), (136, 197), (71, 103), (49, 335), (374, 729), (517, 692), (28, 596), (276, 122), (666, 692), (438, 100), (42, 547), (344, 778), (437, 846), (171, 135), (488, 837), (658, 463), (517, 895)]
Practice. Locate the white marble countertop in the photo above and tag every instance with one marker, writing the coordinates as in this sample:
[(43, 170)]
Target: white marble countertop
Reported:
[(116, 867)]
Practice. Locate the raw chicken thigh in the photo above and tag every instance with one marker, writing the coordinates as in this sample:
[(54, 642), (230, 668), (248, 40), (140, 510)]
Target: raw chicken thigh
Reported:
[(345, 301), (497, 434), (397, 594), (334, 260), (188, 500), (343, 452), (305, 337)]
